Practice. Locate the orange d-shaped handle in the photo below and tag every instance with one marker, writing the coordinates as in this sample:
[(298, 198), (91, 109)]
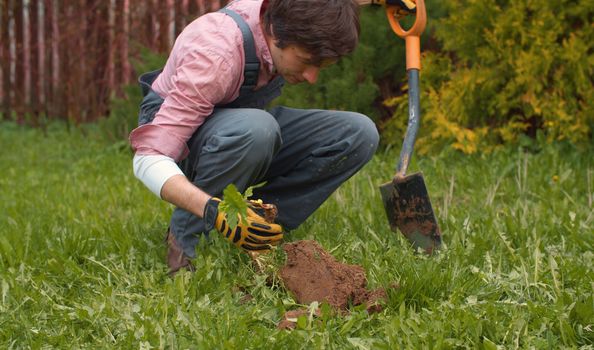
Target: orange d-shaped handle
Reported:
[(412, 37)]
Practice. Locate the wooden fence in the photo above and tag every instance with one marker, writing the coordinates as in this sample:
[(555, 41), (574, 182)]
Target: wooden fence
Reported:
[(64, 59)]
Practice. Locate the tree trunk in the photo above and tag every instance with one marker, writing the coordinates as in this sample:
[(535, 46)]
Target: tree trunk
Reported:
[(101, 52), (46, 85), (66, 49), (165, 10), (35, 57), (185, 12), (5, 61), (111, 39), (83, 89), (26, 58), (215, 5), (55, 57), (200, 7), (151, 25), (181, 15), (19, 81), (41, 58), (124, 52)]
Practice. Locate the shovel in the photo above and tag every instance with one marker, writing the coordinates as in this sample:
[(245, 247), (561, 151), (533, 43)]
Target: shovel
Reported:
[(405, 198)]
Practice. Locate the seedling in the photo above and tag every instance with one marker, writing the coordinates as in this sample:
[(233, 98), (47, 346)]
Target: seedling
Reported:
[(235, 203)]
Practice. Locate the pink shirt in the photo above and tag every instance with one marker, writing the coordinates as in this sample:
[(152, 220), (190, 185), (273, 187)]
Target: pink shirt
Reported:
[(205, 68)]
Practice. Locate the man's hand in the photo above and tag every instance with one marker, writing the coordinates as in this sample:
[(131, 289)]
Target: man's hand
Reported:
[(252, 233), (403, 7)]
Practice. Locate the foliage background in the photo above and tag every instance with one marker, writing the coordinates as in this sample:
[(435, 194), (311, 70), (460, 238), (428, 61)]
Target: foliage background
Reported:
[(493, 71)]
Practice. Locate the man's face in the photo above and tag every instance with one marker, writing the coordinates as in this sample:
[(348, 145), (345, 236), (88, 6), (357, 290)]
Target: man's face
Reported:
[(292, 64)]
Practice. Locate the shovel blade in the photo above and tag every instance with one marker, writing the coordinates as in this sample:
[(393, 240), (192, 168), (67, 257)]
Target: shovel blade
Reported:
[(409, 210)]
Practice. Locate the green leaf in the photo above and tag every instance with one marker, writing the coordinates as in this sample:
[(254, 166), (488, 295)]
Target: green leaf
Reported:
[(250, 190), (346, 327), (302, 322), (489, 345), (233, 204)]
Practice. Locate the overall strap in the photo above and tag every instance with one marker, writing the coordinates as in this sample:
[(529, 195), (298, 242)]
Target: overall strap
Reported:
[(252, 63)]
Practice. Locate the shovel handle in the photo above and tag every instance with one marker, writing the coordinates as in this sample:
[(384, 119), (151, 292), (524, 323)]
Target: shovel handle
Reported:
[(414, 119), (412, 37)]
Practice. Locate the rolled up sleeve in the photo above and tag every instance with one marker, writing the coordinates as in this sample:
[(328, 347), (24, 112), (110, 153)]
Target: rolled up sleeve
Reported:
[(152, 139)]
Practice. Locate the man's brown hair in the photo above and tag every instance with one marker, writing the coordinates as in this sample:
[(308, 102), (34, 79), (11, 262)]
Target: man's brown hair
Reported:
[(327, 29)]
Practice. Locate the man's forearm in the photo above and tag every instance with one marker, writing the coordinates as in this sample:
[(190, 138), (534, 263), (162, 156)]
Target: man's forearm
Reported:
[(180, 192), (166, 180)]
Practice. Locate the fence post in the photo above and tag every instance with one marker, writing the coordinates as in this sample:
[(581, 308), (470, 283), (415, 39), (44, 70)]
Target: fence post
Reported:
[(5, 61)]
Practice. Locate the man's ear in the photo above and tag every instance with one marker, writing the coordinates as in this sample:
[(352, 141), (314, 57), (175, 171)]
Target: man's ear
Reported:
[(270, 38)]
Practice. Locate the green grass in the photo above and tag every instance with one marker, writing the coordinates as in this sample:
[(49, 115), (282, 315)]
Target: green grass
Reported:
[(82, 256)]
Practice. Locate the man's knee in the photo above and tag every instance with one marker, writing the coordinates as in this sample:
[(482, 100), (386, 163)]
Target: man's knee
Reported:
[(363, 134), (262, 130), (255, 131)]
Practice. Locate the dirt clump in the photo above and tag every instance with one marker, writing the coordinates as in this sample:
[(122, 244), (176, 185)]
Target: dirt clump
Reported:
[(312, 274)]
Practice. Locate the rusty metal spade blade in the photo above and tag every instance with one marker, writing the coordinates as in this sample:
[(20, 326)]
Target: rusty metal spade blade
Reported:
[(409, 210), (405, 198)]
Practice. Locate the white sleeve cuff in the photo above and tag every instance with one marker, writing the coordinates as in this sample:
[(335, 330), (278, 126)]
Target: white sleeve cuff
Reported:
[(154, 171)]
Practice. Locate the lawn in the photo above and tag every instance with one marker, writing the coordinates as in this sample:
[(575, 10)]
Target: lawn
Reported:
[(82, 256)]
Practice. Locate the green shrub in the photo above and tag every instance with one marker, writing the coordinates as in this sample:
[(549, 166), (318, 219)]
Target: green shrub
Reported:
[(507, 69)]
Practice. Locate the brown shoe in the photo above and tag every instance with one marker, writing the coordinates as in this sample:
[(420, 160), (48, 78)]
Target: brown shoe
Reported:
[(176, 259)]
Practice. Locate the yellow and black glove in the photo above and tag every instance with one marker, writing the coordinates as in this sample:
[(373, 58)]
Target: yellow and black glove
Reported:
[(403, 7), (252, 234)]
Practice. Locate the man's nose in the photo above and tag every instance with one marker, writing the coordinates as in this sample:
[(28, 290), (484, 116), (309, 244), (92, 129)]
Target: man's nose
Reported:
[(311, 74)]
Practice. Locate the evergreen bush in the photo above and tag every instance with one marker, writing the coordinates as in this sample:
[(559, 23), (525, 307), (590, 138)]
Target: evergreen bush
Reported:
[(506, 69)]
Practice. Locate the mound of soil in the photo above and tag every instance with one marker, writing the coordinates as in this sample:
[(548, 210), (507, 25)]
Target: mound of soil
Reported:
[(312, 274)]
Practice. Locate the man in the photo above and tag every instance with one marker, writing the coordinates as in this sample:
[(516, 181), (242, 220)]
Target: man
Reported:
[(203, 123)]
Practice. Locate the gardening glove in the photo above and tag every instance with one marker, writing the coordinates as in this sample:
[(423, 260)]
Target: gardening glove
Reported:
[(253, 233), (403, 7)]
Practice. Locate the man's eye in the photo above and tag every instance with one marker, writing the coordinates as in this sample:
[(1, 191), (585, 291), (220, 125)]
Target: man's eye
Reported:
[(305, 60)]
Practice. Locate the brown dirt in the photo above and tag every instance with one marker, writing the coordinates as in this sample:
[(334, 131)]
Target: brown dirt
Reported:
[(312, 274)]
